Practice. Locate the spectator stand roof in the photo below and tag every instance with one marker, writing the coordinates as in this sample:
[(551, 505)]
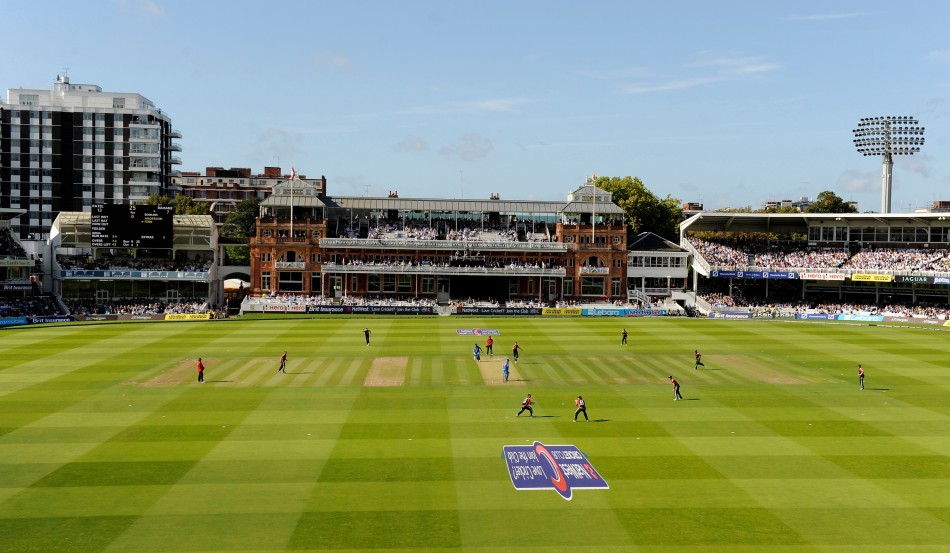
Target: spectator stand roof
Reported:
[(435, 205), (650, 242), (781, 223)]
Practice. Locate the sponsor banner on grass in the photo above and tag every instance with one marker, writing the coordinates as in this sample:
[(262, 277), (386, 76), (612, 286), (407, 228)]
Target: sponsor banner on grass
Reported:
[(10, 321), (143, 317), (860, 317), (814, 316), (823, 276), (562, 312), (466, 310), (329, 309), (621, 312), (187, 316), (915, 320), (562, 468), (478, 332), (52, 319), (865, 277), (392, 309), (97, 317), (730, 315)]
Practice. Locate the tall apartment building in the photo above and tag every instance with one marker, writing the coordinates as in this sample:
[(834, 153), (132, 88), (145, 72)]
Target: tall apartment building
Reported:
[(68, 148)]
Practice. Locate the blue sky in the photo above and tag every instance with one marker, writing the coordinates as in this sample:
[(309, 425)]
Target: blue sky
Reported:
[(726, 103)]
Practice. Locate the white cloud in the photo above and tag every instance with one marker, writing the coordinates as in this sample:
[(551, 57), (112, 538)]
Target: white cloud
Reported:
[(412, 144), (470, 147), (855, 181), (825, 16), (939, 55), (281, 143), (333, 61), (498, 105), (714, 70), (919, 164), (149, 7)]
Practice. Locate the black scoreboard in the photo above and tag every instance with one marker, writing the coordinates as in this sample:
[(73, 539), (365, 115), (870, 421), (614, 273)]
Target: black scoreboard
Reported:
[(132, 226)]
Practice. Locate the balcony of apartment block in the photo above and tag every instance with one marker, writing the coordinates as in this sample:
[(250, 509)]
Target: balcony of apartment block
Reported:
[(144, 122), (144, 179), (174, 160), (174, 146), (174, 133), (140, 164)]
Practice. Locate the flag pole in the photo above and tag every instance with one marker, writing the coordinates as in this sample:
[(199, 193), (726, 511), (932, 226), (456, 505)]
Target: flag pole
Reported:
[(293, 177)]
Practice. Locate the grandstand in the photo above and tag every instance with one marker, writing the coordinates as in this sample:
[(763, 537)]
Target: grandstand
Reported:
[(18, 273), (811, 259), (108, 276)]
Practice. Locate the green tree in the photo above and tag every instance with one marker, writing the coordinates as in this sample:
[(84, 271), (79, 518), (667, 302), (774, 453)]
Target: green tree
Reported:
[(241, 224), (829, 202), (643, 210)]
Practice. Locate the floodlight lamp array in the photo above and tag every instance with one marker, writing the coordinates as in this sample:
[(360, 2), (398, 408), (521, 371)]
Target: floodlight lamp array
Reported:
[(888, 135)]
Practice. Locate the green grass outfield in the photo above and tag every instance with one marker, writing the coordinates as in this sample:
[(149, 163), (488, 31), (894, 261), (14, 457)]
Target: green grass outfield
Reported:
[(107, 443)]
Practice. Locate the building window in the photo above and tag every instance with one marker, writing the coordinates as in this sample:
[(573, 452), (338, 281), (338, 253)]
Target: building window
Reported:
[(372, 283), (568, 287), (118, 103), (29, 99), (265, 281), (615, 287), (428, 285), (592, 286), (290, 281)]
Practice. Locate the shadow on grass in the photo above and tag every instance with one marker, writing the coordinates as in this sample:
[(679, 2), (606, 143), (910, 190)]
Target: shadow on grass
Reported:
[(288, 372), (219, 381), (879, 389)]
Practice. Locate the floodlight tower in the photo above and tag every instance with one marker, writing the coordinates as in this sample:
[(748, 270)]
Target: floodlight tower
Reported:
[(888, 136)]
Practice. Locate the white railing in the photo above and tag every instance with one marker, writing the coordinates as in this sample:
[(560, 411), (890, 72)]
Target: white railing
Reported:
[(699, 262), (442, 244), (443, 270)]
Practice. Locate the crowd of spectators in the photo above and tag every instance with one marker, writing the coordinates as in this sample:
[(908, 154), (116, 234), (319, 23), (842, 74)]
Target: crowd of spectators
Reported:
[(465, 230), (472, 263), (899, 260), (798, 255), (122, 263), (40, 306), (791, 307), (137, 306), (9, 247)]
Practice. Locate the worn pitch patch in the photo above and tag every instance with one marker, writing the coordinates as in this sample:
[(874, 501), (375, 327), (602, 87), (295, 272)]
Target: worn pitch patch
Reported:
[(184, 372), (493, 376), (387, 371), (754, 370)]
